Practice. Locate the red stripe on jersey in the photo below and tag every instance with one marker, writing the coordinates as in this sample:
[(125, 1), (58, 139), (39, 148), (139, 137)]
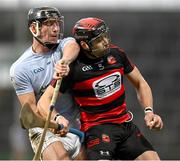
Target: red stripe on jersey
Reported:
[(88, 83), (105, 117), (88, 117), (94, 101)]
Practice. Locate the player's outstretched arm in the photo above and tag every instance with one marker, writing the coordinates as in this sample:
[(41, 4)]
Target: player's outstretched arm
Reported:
[(145, 98), (70, 52)]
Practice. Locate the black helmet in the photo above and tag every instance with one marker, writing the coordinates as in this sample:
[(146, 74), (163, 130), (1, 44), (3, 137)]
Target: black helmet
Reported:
[(88, 29), (38, 15), (42, 13)]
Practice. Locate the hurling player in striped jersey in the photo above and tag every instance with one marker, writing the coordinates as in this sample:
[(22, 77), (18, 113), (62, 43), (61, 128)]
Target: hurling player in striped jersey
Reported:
[(96, 81)]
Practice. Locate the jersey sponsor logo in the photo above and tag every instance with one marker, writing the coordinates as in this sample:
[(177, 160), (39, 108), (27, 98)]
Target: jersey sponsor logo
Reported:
[(37, 70), (107, 86), (87, 68)]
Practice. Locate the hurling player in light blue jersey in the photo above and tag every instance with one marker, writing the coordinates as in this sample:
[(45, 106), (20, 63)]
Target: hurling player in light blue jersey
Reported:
[(32, 73)]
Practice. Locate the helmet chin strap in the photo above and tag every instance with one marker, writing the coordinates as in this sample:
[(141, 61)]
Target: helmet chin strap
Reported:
[(90, 53), (51, 45), (47, 44), (94, 50)]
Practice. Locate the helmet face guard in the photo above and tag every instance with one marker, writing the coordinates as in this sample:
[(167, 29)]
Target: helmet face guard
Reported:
[(45, 15), (100, 34)]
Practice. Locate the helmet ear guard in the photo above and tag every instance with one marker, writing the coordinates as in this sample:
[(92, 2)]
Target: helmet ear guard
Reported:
[(37, 28)]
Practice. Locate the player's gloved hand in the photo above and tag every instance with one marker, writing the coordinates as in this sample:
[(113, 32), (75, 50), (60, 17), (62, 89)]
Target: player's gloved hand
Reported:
[(61, 69), (65, 123), (153, 121)]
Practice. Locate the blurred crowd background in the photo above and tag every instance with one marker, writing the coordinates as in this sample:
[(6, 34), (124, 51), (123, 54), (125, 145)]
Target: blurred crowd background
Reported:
[(148, 30)]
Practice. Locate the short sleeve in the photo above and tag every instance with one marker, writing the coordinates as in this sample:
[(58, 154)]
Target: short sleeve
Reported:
[(59, 50), (65, 41), (128, 65), (21, 82)]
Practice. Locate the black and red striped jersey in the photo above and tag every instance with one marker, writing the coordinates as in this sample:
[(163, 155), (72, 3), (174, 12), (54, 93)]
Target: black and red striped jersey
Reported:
[(98, 89)]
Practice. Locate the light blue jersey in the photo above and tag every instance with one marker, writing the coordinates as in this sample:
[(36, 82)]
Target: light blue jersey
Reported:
[(33, 72)]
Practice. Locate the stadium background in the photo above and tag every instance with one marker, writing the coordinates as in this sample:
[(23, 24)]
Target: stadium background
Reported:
[(148, 31)]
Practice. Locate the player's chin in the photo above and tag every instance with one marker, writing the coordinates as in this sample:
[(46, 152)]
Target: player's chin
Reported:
[(53, 39), (104, 52)]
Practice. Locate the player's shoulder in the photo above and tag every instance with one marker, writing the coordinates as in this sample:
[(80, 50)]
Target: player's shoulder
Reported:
[(69, 37), (66, 39), (21, 63), (116, 49)]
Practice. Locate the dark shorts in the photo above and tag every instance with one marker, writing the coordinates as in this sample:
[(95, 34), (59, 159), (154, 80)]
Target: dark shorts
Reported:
[(115, 142)]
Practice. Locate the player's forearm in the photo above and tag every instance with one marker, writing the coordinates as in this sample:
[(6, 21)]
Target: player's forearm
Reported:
[(43, 106), (70, 52), (144, 95), (44, 103), (143, 90), (29, 99)]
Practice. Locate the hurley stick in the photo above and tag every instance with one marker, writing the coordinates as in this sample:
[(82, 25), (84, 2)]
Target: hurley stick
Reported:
[(53, 101)]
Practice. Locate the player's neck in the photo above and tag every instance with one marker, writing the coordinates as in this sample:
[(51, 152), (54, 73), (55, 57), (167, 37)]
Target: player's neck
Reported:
[(39, 48)]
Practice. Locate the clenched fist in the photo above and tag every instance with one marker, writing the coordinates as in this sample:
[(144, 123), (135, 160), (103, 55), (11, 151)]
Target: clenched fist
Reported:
[(153, 121)]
